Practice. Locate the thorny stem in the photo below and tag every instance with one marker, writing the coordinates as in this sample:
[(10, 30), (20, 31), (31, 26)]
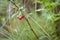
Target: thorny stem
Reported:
[(27, 22)]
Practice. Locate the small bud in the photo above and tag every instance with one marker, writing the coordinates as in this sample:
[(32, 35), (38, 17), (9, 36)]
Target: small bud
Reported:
[(21, 17)]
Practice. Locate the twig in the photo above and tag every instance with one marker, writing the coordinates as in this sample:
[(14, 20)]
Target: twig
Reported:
[(14, 4), (31, 28)]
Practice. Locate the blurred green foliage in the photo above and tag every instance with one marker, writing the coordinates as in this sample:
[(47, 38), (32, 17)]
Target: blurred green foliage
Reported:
[(43, 25)]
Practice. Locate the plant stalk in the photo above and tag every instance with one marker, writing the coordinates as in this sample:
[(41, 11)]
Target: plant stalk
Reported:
[(28, 23)]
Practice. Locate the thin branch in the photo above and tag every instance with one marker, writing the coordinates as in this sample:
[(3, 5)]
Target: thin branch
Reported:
[(31, 28), (14, 4)]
